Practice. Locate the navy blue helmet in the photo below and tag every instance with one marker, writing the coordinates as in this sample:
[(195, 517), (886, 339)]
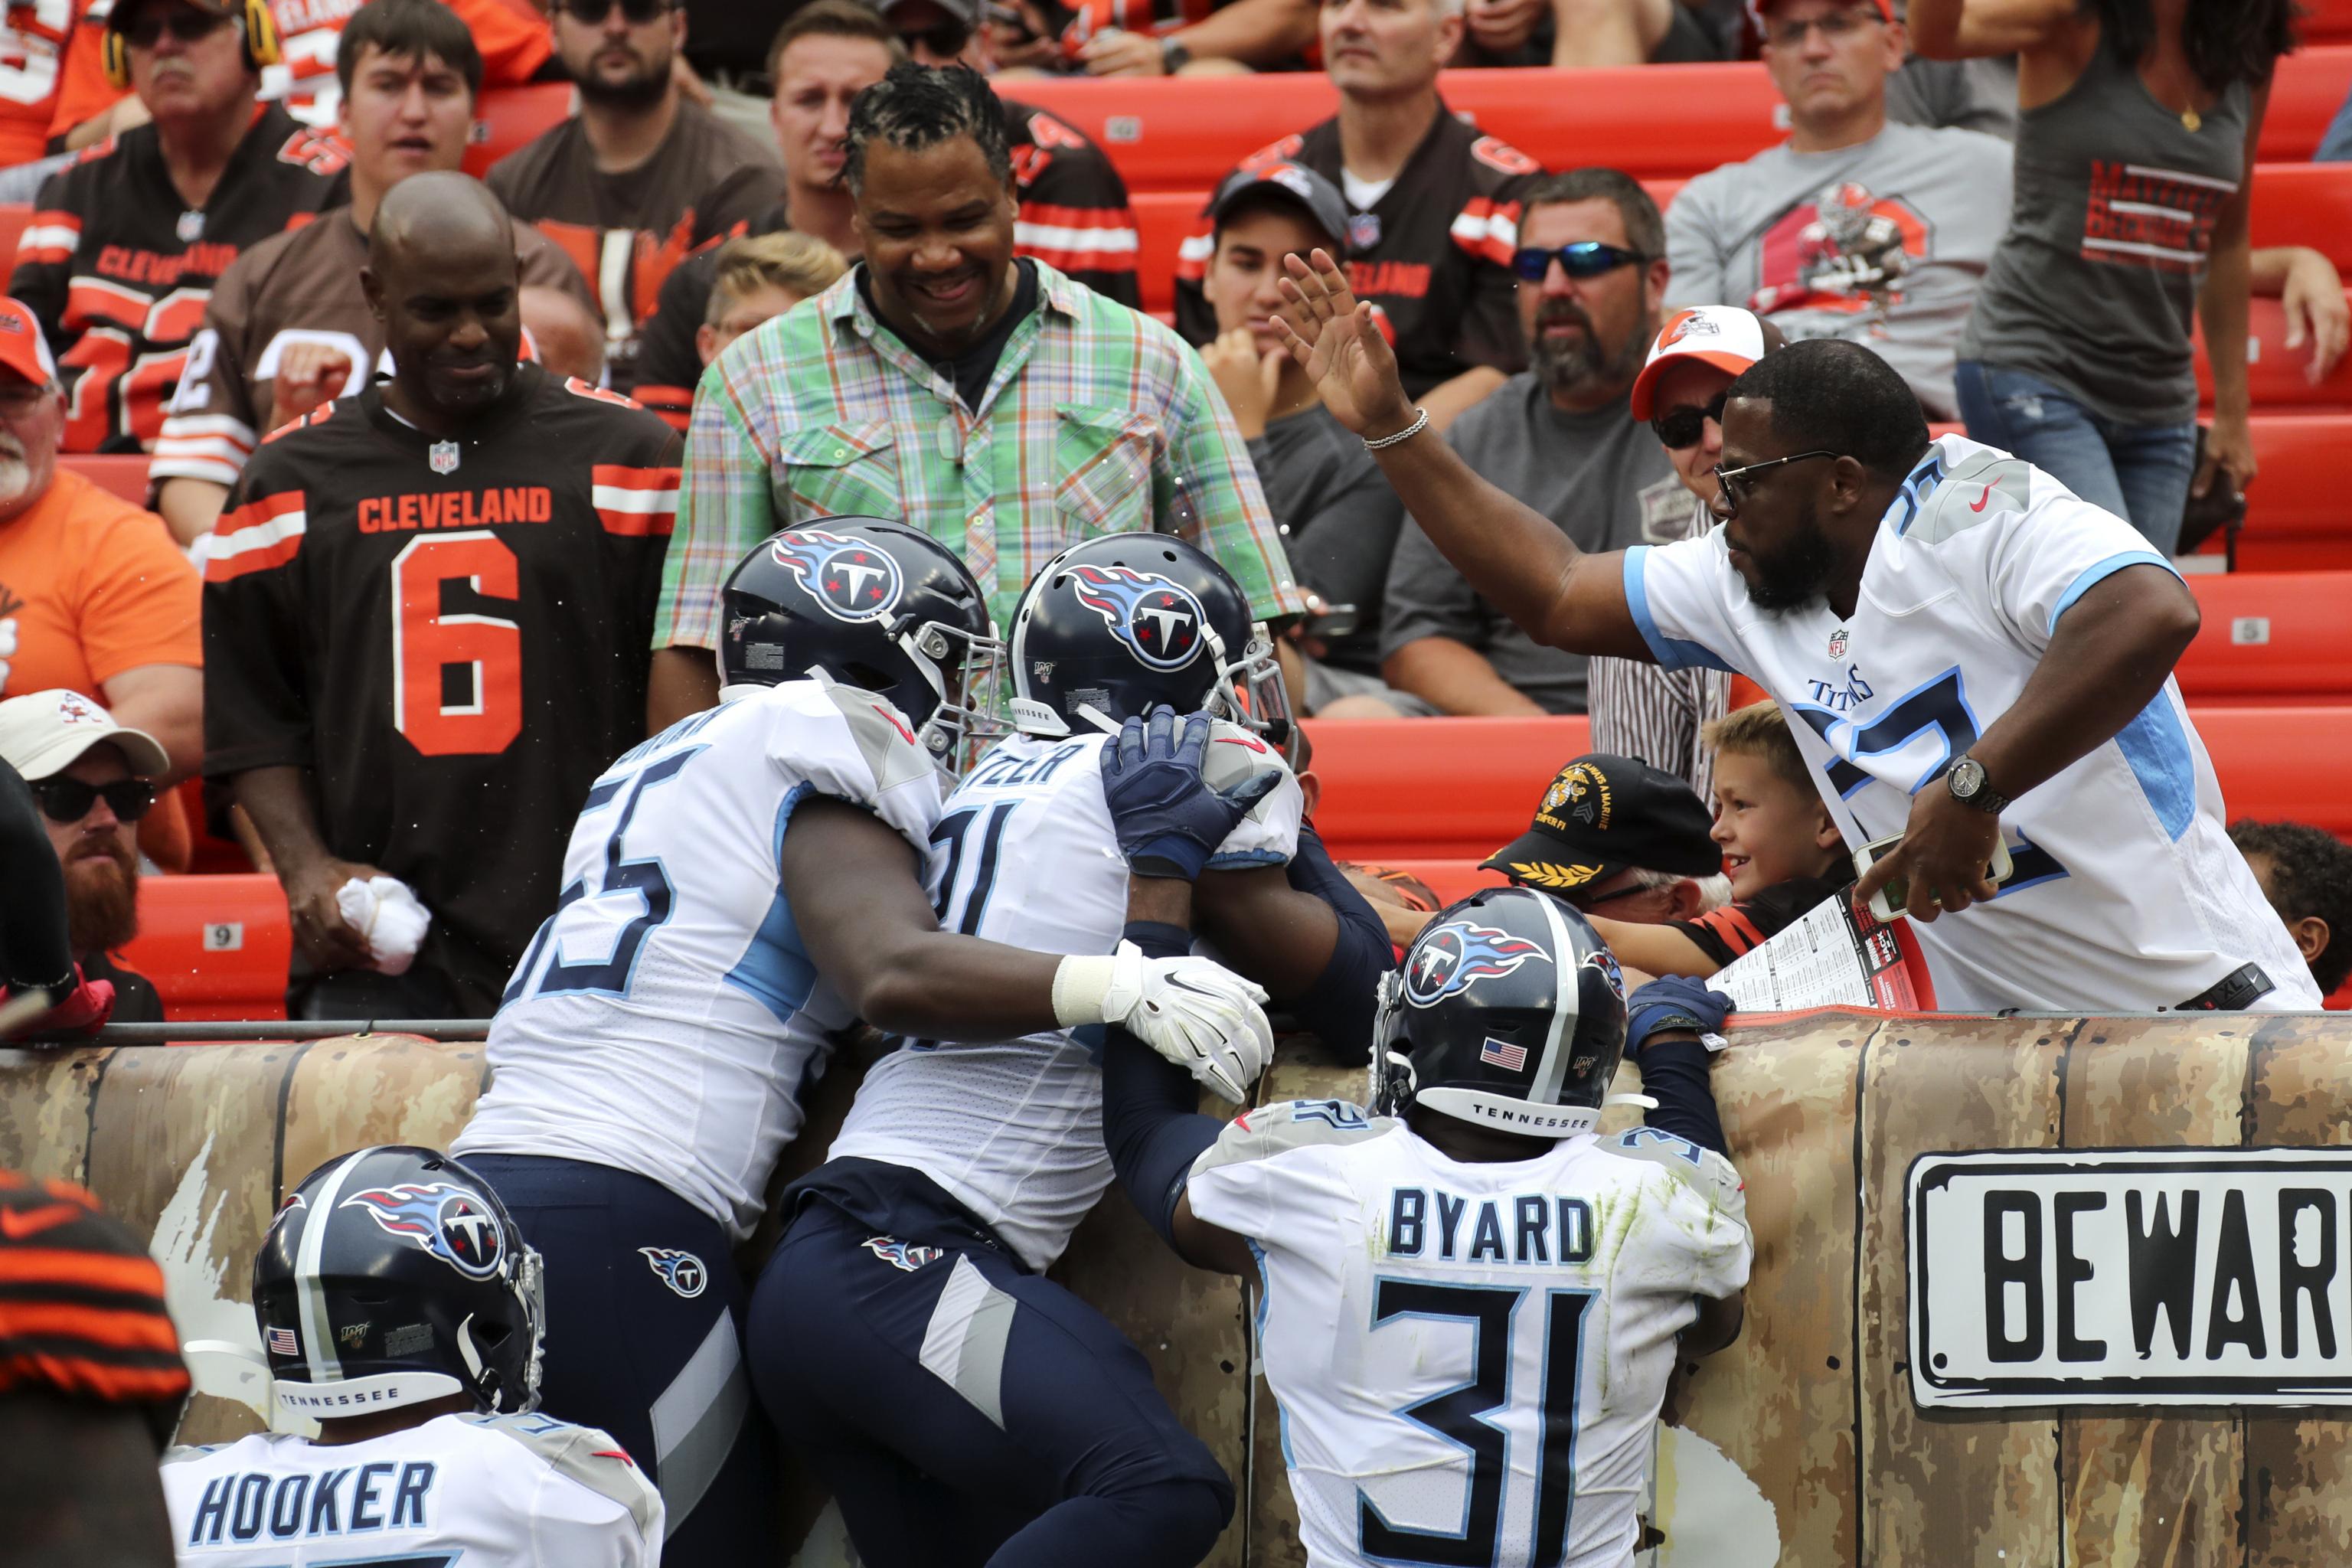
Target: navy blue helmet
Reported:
[(1126, 622), (395, 1275), (1509, 1011), (873, 603)]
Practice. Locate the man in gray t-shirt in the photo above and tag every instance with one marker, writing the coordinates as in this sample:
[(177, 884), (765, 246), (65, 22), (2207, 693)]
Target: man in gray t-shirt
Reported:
[(1559, 438), (1853, 227)]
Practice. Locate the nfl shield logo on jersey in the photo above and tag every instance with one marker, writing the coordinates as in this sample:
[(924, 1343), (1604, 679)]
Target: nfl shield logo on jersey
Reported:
[(851, 580), (450, 1222), (1459, 952), (1837, 643), (443, 455), (681, 1271), (1156, 618)]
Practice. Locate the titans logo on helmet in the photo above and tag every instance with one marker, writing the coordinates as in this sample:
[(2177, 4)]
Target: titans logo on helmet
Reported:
[(681, 1271), (1455, 953), (1606, 962), (453, 1224), (851, 579), (1156, 618)]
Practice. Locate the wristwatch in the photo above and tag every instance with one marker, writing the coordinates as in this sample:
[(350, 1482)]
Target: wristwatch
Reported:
[(1173, 55), (1969, 786)]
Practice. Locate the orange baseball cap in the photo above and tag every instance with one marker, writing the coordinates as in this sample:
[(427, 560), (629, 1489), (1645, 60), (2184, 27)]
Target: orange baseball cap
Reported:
[(22, 348), (1724, 336)]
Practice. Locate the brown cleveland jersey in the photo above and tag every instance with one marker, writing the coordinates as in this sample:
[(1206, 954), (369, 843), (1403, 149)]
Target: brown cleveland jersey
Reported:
[(1433, 254), (298, 287), (626, 231), (451, 636), (118, 269)]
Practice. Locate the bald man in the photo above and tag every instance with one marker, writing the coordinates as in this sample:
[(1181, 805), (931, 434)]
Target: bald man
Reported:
[(426, 615)]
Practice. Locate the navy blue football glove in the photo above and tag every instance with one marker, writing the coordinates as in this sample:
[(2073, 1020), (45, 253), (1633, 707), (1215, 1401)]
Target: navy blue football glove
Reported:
[(1675, 1003), (1167, 818)]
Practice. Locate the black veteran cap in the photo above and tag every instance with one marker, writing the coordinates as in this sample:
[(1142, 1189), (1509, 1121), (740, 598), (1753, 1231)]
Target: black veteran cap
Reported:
[(1604, 814)]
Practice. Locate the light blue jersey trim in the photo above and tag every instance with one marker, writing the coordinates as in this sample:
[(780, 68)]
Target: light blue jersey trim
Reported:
[(1671, 653), (2157, 747), (776, 969), (2099, 571)]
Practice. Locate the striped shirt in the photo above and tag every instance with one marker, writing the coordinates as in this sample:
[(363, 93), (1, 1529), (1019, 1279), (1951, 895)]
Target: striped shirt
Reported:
[(1641, 711), (82, 1304), (1092, 418)]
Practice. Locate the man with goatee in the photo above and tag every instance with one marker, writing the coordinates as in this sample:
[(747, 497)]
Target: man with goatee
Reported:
[(93, 780)]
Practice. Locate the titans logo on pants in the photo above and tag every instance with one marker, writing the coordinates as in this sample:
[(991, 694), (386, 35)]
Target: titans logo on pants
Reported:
[(1156, 618), (681, 1271), (1449, 957), (452, 1223), (848, 578)]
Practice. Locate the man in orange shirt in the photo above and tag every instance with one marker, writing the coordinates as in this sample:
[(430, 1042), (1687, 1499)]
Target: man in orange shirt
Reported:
[(93, 597)]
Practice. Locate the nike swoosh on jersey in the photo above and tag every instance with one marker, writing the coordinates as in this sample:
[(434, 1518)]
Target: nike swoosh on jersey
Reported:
[(1978, 504), (18, 1224)]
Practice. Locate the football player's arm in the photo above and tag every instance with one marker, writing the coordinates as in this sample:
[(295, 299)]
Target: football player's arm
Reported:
[(1561, 597), (1309, 938)]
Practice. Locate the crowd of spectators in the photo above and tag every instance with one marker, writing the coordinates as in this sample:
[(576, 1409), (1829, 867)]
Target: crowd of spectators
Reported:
[(203, 264)]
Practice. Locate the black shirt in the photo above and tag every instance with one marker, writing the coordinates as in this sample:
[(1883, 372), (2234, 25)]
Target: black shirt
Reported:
[(1739, 928), (971, 369), (135, 999)]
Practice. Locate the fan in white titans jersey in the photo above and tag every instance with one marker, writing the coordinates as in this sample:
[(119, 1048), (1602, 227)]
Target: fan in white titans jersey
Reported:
[(1969, 653), (399, 1304), (739, 888), (1472, 1300)]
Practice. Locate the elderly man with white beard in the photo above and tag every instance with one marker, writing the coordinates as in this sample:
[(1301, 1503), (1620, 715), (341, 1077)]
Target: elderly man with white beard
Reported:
[(93, 780)]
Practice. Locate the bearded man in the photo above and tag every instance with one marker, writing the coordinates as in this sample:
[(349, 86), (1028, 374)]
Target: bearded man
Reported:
[(93, 780)]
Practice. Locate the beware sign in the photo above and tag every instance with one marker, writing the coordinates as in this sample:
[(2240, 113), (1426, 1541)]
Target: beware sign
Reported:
[(2131, 1276)]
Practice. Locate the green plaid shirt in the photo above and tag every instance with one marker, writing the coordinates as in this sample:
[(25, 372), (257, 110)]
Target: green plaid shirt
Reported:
[(1092, 415)]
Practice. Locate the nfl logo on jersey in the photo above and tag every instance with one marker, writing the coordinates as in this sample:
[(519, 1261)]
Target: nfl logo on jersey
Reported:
[(443, 455)]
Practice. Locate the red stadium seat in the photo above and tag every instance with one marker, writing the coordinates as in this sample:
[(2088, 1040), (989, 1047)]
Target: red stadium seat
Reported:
[(507, 117), (123, 475), (1436, 789), (2270, 637), (2298, 517), (13, 221), (1451, 880), (2276, 374), (2326, 22), (2304, 204), (215, 947)]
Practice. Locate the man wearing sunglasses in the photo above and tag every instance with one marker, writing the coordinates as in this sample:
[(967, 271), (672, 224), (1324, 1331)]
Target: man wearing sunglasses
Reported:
[(642, 176), (93, 780)]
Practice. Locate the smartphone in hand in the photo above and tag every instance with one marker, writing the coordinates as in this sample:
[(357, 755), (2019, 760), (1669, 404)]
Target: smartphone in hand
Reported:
[(1888, 901)]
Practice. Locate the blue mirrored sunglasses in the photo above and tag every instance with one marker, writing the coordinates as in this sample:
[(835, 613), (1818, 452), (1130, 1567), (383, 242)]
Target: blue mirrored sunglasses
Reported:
[(1585, 258)]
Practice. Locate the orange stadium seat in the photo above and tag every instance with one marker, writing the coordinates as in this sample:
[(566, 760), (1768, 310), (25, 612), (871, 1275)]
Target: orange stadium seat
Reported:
[(2270, 637), (124, 475), (507, 117), (2298, 517), (13, 221), (215, 947)]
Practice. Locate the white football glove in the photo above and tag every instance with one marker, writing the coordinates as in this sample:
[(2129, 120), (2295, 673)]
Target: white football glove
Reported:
[(1199, 1015)]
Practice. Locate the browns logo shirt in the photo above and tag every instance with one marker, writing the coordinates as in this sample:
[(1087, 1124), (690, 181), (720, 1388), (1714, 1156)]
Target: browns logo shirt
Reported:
[(1433, 253), (297, 288), (1074, 216), (118, 269), (626, 231), (451, 636)]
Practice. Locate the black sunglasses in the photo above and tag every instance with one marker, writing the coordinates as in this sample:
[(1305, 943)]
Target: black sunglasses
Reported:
[(1681, 428), (1731, 479), (67, 799), (636, 13), (941, 39), (1585, 258), (146, 29)]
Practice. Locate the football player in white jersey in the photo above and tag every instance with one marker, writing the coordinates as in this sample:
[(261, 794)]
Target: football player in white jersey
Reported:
[(1471, 1300), (961, 1407), (399, 1305), (1971, 655), (739, 888)]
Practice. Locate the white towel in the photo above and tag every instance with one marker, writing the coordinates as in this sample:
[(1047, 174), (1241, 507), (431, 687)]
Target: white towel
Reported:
[(387, 914)]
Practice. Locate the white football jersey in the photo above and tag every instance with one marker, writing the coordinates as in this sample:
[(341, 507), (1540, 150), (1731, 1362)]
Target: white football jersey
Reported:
[(664, 1017), (2127, 894), (1025, 854), (1469, 1358), (459, 1491)]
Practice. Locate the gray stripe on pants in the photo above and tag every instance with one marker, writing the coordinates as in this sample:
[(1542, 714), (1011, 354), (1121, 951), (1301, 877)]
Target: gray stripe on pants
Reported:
[(964, 1346), (697, 1420)]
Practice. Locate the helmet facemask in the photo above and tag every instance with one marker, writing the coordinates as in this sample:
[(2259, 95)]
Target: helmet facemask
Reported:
[(966, 672)]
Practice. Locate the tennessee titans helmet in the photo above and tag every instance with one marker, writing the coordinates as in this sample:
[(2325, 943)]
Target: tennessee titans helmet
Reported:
[(1128, 621), (874, 603), (1509, 1011), (395, 1275)]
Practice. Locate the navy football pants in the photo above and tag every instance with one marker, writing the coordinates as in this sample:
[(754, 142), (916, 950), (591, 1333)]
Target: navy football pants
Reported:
[(965, 1412), (647, 1344)]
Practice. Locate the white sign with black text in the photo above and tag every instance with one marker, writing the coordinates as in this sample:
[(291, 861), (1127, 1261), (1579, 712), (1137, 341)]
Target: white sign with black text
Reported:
[(2217, 1277)]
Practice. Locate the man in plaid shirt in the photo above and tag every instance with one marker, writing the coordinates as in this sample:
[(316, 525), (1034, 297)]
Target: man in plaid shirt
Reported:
[(992, 402)]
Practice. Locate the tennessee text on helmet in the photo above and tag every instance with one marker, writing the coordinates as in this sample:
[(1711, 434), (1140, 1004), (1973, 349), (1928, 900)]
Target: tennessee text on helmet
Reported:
[(1508, 1012), (1113, 627), (395, 1275), (875, 604)]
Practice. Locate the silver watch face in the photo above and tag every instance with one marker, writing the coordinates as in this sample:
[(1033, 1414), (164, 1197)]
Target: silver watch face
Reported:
[(1967, 776)]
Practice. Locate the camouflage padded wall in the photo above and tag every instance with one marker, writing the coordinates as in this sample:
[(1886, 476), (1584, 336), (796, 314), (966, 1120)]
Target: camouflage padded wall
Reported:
[(1802, 1444)]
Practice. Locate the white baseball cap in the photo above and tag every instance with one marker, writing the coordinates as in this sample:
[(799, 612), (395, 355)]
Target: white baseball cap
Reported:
[(46, 732), (1724, 336)]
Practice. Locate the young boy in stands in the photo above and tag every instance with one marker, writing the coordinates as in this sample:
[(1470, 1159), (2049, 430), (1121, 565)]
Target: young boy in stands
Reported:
[(1783, 853)]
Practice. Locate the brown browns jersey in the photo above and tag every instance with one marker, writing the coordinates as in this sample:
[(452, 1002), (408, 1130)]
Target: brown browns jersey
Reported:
[(1432, 255), (81, 1305), (451, 636), (118, 269), (297, 288), (626, 231)]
